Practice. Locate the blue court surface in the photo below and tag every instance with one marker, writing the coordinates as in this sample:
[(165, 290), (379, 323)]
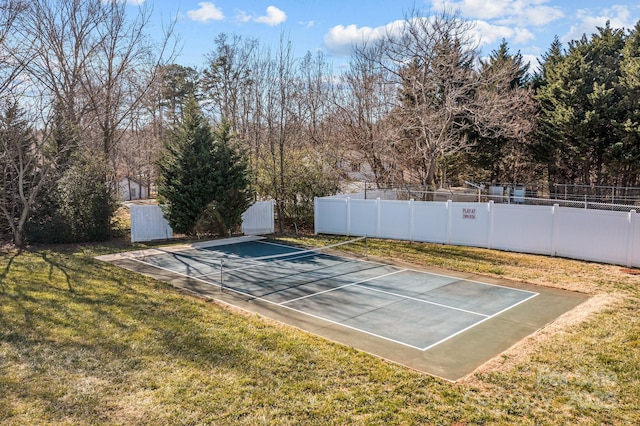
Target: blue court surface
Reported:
[(347, 299)]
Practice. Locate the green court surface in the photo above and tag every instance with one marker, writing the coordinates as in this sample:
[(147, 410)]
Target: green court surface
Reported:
[(443, 323)]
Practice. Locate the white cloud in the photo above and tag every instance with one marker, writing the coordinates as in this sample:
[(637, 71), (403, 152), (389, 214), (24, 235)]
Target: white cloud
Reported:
[(522, 35), (273, 17), (532, 60), (340, 39), (542, 15), (486, 33), (480, 9), (207, 12), (135, 2), (518, 12), (307, 25), (243, 17), (618, 16)]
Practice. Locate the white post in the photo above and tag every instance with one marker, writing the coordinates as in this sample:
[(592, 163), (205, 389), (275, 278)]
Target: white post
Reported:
[(630, 238), (378, 217), (315, 215), (555, 212), (411, 218), (348, 200), (449, 220), (490, 224)]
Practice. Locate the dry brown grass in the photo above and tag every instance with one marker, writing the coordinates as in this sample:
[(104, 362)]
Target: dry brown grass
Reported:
[(82, 342)]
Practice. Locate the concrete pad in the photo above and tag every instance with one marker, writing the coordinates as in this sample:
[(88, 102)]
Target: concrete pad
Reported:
[(366, 315)]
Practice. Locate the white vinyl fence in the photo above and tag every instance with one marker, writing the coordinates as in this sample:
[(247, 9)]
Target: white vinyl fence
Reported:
[(596, 235), (258, 219), (148, 223)]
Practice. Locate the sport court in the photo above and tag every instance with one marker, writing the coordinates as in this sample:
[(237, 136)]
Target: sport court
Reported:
[(443, 324)]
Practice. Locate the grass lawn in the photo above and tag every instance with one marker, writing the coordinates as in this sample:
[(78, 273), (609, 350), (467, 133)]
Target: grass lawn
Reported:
[(84, 342)]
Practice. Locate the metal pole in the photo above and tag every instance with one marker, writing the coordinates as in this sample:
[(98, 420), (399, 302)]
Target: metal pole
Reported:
[(366, 247), (221, 279)]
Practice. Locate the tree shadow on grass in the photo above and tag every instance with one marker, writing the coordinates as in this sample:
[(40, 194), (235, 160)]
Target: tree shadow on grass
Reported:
[(7, 269), (54, 265)]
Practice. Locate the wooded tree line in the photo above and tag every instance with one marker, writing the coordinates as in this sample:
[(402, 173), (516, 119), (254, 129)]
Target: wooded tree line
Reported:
[(87, 96)]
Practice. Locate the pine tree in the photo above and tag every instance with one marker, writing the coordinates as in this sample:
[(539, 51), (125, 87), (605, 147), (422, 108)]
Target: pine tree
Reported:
[(581, 100), (186, 173), (502, 154), (232, 195), (623, 158), (204, 184)]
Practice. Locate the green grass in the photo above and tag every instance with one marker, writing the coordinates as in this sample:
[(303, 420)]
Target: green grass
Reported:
[(83, 342)]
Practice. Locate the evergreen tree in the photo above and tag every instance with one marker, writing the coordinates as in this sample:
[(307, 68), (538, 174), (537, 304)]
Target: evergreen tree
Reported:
[(623, 160), (48, 224), (580, 99), (85, 202), (204, 180), (547, 84), (186, 181), (500, 154), (232, 195)]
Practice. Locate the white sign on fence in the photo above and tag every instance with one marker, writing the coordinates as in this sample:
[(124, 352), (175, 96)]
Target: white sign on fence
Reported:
[(597, 235)]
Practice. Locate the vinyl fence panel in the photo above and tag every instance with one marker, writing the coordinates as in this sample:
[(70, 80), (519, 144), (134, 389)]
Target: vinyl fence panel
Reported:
[(431, 221), (259, 219), (330, 215), (527, 229), (633, 256), (148, 223), (597, 235), (364, 214), (395, 219), (470, 224)]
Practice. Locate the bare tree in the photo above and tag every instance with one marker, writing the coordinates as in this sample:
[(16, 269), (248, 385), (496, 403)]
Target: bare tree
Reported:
[(88, 66), (111, 80), (11, 64), (227, 77), (281, 122), (431, 61), (24, 169), (364, 103), (507, 113), (88, 57)]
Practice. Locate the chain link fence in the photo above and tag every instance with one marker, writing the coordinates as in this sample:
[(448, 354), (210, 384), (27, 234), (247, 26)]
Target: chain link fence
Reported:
[(576, 196)]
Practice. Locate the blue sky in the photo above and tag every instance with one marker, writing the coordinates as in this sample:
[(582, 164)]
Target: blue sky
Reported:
[(333, 25)]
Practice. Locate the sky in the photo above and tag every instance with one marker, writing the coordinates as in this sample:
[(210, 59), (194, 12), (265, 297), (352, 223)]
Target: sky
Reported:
[(332, 26)]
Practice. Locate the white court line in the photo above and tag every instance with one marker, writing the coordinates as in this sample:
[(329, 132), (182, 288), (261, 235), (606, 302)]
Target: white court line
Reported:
[(283, 304), (342, 286), (214, 260), (389, 339), (479, 322), (284, 258), (423, 301), (251, 296), (422, 272)]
